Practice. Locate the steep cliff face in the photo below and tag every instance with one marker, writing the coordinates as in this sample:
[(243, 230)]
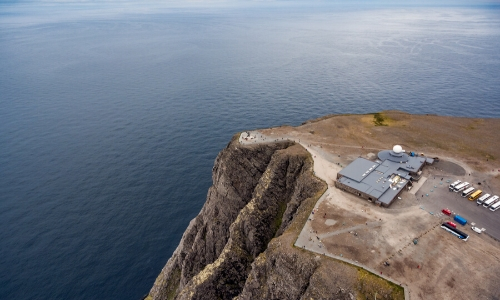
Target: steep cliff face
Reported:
[(283, 272), (233, 247)]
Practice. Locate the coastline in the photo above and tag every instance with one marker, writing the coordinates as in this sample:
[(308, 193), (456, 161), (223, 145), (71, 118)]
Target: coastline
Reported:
[(332, 143)]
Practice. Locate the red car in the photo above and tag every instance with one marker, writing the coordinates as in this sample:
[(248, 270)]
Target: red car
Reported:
[(446, 212), (452, 224)]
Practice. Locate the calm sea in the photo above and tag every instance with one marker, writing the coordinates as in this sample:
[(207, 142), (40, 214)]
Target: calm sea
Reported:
[(111, 115)]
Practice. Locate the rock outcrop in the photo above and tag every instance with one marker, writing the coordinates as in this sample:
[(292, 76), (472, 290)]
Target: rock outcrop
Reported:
[(240, 246), (256, 193)]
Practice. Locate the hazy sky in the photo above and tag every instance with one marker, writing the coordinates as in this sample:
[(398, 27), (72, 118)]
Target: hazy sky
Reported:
[(29, 12)]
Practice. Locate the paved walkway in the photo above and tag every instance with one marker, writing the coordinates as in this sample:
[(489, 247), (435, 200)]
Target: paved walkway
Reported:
[(418, 185), (349, 229), (326, 170)]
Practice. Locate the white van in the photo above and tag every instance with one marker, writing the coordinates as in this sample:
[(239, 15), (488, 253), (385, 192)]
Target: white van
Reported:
[(460, 187), (467, 192), (454, 184), (482, 198), (490, 201), (495, 206)]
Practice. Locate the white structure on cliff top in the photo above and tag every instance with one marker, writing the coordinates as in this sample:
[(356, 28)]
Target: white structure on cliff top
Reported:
[(383, 180)]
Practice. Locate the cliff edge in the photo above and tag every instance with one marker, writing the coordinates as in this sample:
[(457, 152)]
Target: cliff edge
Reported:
[(256, 192), (240, 246)]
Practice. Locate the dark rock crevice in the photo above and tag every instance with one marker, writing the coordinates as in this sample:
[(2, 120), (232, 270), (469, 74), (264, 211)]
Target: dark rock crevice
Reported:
[(224, 253), (256, 224), (237, 171)]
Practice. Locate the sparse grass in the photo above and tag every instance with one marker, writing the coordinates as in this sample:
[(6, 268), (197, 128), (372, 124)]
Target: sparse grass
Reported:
[(279, 218), (370, 285), (325, 118), (379, 119), (302, 215), (304, 210), (462, 139), (173, 284)]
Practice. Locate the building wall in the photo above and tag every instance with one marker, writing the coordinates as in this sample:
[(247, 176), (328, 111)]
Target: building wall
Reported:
[(351, 190), (365, 196)]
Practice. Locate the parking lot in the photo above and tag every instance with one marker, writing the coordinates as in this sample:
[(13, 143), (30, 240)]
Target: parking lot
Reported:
[(434, 195)]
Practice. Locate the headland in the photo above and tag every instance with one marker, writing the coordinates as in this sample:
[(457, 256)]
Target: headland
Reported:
[(275, 226)]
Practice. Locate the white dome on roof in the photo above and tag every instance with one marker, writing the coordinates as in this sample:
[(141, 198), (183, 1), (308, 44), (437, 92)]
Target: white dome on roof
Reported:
[(397, 149)]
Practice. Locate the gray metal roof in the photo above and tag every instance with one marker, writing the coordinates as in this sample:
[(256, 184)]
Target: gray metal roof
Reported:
[(358, 169), (393, 156), (406, 162), (412, 163), (389, 195), (374, 179)]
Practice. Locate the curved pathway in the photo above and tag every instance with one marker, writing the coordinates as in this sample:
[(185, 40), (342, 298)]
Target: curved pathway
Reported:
[(326, 170)]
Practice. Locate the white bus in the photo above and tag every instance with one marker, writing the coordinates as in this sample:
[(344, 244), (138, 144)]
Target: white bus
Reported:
[(454, 184), (490, 201), (460, 187), (461, 235), (495, 206), (483, 197), (467, 192)]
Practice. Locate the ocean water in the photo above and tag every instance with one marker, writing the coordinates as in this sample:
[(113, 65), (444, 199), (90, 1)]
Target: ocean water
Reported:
[(111, 114)]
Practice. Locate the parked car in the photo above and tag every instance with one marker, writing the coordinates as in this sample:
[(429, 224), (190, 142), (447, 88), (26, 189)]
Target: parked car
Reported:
[(452, 224), (446, 212), (475, 229)]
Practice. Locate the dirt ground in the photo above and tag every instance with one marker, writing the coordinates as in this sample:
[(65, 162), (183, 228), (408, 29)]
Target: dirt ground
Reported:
[(439, 266), (472, 142)]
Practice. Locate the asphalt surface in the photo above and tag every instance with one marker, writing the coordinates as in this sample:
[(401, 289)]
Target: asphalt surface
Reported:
[(434, 196)]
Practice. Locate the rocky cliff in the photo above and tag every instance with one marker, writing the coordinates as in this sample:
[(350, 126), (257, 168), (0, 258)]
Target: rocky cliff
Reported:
[(240, 246)]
